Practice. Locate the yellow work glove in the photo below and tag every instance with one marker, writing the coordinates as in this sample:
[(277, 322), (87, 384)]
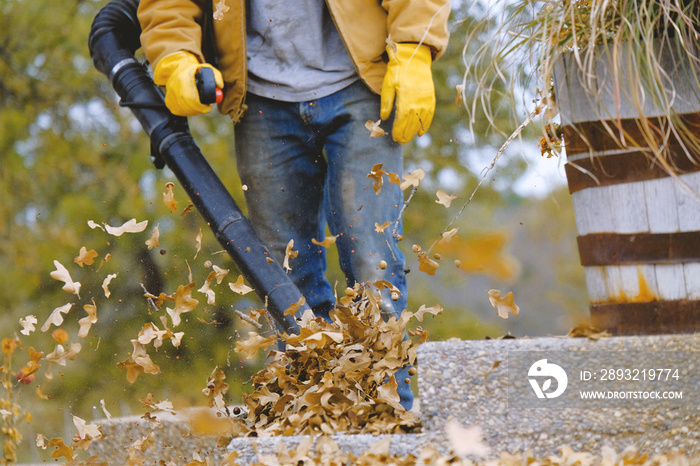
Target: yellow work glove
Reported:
[(409, 79), (177, 73)]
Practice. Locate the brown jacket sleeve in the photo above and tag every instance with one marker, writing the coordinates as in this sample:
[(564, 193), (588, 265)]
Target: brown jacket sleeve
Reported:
[(169, 26), (419, 21)]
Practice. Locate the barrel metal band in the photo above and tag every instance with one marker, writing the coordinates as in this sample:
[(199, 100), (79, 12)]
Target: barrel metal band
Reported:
[(657, 317), (601, 249), (635, 163)]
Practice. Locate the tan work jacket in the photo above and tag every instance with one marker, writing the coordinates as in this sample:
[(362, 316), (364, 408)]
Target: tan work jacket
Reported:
[(169, 26)]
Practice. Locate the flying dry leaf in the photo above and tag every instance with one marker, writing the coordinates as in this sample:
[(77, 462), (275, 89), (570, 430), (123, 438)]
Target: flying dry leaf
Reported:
[(129, 227), (154, 240), (61, 274), (327, 241), (445, 199), (208, 292), (140, 357), (160, 299), (25, 374), (61, 449), (198, 244), (217, 274), (184, 302), (86, 322), (27, 324), (104, 409), (460, 94), (254, 343), (169, 196), (216, 389), (386, 284), (375, 130), (419, 332), (164, 405), (434, 310), (56, 318), (152, 405), (292, 309), (85, 257), (94, 225), (394, 178), (60, 336), (504, 305), (150, 332), (60, 355), (447, 236), (467, 441), (190, 278), (106, 282), (104, 261), (289, 253), (133, 370), (221, 8), (376, 176), (380, 228), (413, 178), (484, 254), (426, 264), (240, 287), (176, 338), (187, 210), (85, 430)]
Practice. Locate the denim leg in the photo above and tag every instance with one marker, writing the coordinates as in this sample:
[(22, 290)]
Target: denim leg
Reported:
[(281, 163), (352, 206), (307, 163)]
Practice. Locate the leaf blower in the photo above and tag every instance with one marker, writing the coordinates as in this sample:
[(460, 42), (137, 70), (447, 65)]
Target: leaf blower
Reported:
[(114, 38)]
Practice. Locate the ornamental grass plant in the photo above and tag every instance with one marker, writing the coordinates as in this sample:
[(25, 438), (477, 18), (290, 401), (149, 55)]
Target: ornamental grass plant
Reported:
[(634, 56)]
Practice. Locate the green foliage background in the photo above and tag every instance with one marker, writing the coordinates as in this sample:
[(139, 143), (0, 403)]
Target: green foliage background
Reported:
[(69, 154)]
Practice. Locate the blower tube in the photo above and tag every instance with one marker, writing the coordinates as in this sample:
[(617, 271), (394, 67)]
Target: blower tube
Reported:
[(114, 37)]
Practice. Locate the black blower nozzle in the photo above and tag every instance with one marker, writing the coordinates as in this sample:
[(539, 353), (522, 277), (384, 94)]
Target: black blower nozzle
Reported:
[(114, 38)]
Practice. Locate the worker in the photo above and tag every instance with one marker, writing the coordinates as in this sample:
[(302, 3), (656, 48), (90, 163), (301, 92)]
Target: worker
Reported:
[(300, 81)]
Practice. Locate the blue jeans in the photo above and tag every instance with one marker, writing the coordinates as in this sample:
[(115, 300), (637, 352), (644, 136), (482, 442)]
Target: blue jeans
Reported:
[(305, 165)]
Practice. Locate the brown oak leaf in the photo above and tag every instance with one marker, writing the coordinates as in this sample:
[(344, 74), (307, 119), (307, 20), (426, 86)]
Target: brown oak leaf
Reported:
[(85, 257), (504, 305)]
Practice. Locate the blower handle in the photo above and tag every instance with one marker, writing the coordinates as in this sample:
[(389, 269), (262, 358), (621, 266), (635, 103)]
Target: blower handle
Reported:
[(206, 86)]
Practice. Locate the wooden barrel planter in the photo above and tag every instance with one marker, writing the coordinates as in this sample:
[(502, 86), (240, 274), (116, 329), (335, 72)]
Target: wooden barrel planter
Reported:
[(638, 226)]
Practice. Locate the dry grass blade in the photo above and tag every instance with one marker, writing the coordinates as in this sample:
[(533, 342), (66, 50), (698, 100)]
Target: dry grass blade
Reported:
[(517, 46)]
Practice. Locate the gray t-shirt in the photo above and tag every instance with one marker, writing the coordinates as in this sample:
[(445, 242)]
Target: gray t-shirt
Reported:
[(295, 53)]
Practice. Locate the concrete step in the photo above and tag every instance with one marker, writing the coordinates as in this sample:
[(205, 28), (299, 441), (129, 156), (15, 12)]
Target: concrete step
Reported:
[(468, 382), (485, 383)]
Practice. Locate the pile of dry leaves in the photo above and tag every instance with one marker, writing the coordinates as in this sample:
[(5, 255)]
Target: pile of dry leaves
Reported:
[(334, 376)]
